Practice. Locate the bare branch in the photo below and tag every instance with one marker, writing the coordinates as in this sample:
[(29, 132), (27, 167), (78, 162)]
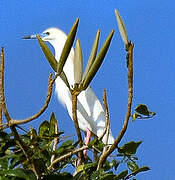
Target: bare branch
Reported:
[(17, 138), (75, 93), (3, 104), (67, 156), (107, 123), (48, 97), (128, 113), (107, 119)]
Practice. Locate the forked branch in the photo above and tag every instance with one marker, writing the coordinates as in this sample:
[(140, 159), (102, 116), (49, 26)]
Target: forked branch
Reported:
[(104, 156), (48, 97)]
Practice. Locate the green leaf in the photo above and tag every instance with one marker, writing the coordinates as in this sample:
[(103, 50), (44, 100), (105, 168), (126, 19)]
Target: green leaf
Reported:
[(58, 66), (122, 28), (67, 143), (53, 124), (44, 129), (142, 109), (61, 176), (92, 142), (152, 113), (129, 148), (114, 164), (67, 47), (108, 176), (48, 54), (4, 137), (121, 175), (135, 116), (64, 78), (132, 166), (97, 144), (141, 169), (86, 167), (3, 163), (78, 62), (97, 174), (92, 54), (97, 62), (4, 178), (20, 173)]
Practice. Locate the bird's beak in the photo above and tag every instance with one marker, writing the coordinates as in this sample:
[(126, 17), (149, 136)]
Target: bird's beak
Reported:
[(42, 35), (30, 37)]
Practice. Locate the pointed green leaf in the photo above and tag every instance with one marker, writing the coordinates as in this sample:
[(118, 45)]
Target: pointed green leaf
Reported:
[(142, 169), (92, 54), (121, 175), (132, 166), (107, 176), (152, 113), (44, 128), (67, 47), (20, 173), (122, 28), (129, 148), (3, 163), (135, 116), (78, 62), (64, 78), (97, 174), (98, 61), (142, 109), (53, 124), (67, 143), (48, 54)]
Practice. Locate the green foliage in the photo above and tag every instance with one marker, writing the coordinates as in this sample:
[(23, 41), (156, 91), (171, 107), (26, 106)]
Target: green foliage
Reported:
[(129, 148), (48, 152), (142, 112), (15, 165)]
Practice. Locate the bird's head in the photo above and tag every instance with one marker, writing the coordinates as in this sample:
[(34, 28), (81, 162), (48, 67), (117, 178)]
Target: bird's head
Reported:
[(52, 35)]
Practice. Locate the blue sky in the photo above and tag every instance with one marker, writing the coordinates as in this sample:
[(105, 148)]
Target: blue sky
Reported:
[(149, 25)]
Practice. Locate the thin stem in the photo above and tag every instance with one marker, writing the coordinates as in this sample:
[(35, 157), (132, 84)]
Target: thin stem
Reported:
[(75, 93), (17, 138), (69, 154), (128, 112), (107, 118), (48, 97)]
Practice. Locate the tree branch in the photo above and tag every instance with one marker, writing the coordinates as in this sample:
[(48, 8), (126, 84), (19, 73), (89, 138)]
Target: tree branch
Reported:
[(128, 113), (17, 138), (75, 93), (107, 119), (48, 97), (67, 156)]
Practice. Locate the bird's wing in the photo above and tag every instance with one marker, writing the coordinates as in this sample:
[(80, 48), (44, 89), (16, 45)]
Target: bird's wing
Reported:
[(96, 115)]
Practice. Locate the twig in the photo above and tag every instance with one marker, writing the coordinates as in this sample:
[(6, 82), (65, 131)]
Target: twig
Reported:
[(128, 113), (1, 123), (107, 119), (17, 138), (107, 123), (75, 93), (48, 97), (67, 156)]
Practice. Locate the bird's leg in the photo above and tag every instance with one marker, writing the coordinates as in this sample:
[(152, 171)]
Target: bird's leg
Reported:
[(87, 140)]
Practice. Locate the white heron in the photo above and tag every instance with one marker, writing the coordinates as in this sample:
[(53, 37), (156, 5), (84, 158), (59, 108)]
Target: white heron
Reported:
[(90, 113)]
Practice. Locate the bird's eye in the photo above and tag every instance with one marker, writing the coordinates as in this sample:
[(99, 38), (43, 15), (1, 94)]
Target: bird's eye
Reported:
[(47, 33)]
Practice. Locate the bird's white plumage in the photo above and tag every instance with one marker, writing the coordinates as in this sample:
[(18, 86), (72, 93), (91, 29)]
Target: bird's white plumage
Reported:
[(90, 112)]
